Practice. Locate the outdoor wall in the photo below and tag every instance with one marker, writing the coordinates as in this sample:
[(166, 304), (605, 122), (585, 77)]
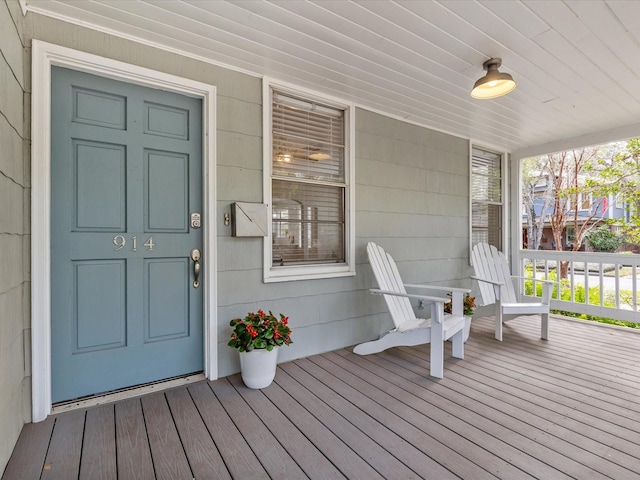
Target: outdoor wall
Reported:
[(411, 196), (14, 232)]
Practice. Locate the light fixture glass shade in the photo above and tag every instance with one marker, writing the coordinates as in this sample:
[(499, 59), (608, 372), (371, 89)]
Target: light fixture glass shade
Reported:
[(320, 156), (494, 83)]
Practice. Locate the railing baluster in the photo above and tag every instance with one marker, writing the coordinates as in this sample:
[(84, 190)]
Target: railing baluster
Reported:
[(601, 271), (617, 284), (586, 283), (634, 291), (572, 281)]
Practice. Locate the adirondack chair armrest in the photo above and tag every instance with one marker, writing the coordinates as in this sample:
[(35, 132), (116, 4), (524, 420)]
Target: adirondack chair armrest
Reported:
[(437, 287), (437, 303), (456, 295), (492, 282), (531, 278), (429, 298), (547, 287), (497, 287)]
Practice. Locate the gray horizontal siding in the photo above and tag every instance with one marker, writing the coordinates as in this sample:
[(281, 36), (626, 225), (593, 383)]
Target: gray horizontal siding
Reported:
[(14, 238)]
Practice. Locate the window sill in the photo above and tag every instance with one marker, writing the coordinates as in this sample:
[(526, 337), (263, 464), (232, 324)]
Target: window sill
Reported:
[(306, 272)]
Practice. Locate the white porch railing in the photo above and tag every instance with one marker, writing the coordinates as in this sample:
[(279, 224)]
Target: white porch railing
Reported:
[(600, 284)]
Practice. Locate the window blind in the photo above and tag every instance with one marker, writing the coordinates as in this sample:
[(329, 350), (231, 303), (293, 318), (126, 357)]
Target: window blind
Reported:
[(486, 176), (486, 197), (308, 140)]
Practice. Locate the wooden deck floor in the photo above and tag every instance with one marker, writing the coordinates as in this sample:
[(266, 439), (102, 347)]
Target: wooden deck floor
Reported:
[(523, 408)]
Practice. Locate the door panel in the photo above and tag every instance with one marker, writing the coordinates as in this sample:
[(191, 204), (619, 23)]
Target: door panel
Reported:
[(99, 186), (166, 298), (167, 187), (126, 175), (166, 121), (100, 299), (98, 108)]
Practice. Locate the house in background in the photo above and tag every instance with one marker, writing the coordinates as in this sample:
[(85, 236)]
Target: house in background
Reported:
[(592, 211), (130, 131)]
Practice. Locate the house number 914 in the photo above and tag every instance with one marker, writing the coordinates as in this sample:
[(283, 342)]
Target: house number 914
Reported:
[(119, 241)]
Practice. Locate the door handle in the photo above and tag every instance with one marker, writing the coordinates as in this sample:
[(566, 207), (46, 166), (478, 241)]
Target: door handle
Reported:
[(195, 256)]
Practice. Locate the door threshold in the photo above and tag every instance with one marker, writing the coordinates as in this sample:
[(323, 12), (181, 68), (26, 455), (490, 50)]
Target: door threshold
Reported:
[(123, 394)]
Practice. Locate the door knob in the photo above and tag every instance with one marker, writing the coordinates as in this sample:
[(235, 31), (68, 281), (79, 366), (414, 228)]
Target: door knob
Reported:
[(195, 256)]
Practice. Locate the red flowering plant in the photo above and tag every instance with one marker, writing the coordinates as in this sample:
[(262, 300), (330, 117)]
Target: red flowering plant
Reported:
[(259, 330), (468, 305)]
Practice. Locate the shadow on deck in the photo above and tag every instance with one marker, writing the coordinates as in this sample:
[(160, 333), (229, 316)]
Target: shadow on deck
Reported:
[(523, 408)]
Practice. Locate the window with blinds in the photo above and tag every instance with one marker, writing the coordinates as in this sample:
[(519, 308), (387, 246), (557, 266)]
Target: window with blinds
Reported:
[(308, 186), (486, 197)]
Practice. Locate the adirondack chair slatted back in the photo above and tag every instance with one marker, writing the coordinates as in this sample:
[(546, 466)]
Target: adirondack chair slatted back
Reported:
[(388, 278), (490, 264)]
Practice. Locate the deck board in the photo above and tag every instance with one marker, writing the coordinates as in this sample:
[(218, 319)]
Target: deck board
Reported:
[(63, 457), (310, 459), (99, 445), (230, 442), (518, 409), (341, 454), (275, 459), (517, 427), (296, 383), (529, 400), (466, 414), (169, 458), (27, 459), (202, 453), (372, 420), (437, 416), (428, 436), (132, 443)]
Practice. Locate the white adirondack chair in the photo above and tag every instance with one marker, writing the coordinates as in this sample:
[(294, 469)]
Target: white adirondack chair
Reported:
[(410, 330), (496, 286)]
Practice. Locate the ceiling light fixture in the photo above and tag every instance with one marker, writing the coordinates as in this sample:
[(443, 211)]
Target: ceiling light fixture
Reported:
[(494, 83), (283, 157)]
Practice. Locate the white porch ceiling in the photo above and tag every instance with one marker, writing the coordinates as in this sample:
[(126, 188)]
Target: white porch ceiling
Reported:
[(576, 62)]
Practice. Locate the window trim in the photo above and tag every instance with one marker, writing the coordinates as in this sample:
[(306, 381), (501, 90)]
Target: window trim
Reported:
[(582, 201), (308, 272), (619, 201)]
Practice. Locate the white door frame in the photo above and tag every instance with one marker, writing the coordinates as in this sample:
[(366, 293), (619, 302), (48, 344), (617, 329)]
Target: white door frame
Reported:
[(44, 56)]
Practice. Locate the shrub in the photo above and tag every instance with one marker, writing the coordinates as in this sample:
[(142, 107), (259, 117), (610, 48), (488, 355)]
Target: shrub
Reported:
[(602, 239)]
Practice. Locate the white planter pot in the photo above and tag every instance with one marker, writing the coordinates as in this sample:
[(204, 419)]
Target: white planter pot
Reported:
[(467, 327), (258, 367)]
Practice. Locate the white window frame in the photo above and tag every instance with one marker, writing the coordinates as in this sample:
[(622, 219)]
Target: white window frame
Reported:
[(585, 197), (503, 186), (619, 201), (307, 272)]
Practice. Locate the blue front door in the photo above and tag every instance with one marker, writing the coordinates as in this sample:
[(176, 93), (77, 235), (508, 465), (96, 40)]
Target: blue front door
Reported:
[(126, 177)]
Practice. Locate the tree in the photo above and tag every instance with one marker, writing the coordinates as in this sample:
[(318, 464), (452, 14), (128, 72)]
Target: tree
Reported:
[(566, 193), (619, 176), (536, 192), (572, 192), (573, 186)]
